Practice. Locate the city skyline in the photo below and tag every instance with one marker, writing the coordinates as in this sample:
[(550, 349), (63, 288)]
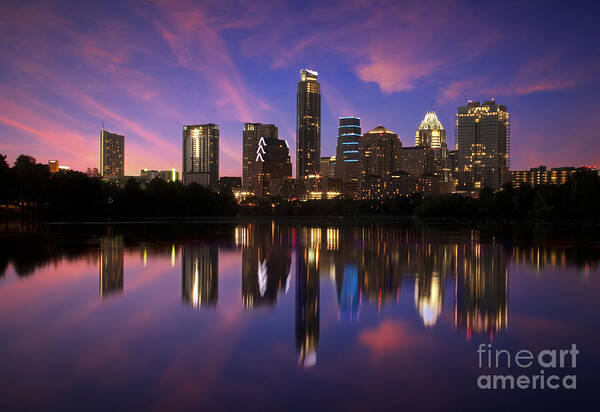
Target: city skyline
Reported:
[(53, 105)]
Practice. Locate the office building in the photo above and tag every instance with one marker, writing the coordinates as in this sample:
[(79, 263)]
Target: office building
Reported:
[(347, 162), (431, 134), (541, 176), (53, 166), (112, 155), (308, 123), (416, 160), (201, 155), (327, 167), (229, 183), (483, 144), (272, 165), (379, 151), (250, 136)]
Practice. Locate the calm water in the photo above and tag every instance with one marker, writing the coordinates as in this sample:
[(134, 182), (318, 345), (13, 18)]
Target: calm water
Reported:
[(259, 316)]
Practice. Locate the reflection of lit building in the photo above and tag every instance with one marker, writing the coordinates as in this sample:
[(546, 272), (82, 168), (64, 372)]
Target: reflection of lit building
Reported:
[(266, 262), (349, 295), (111, 265), (307, 305), (481, 290), (200, 275), (429, 297)]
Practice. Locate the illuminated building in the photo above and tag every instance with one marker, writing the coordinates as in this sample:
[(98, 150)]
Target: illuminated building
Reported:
[(416, 160), (111, 265), (431, 134), (378, 159), (483, 145), (201, 155), (112, 155), (166, 175), (53, 166), (347, 159), (327, 166), (308, 121), (272, 165), (229, 183), (251, 136), (307, 303), (402, 184), (541, 176), (200, 275)]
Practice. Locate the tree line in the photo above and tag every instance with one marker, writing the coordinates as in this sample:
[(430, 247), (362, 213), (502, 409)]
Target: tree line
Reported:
[(31, 191)]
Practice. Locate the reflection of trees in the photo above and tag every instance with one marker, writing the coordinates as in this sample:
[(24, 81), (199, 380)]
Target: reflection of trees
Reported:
[(200, 274), (110, 265)]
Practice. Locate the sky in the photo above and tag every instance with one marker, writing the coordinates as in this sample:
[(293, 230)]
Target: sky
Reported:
[(145, 68)]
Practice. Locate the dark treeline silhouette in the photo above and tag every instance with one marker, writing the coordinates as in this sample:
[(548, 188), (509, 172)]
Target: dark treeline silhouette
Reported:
[(573, 202), (33, 191)]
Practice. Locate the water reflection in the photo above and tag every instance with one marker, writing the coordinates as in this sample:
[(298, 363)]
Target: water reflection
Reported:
[(200, 275), (111, 265)]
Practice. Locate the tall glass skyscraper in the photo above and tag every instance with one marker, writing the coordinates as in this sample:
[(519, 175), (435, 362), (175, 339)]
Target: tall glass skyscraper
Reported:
[(483, 145), (347, 154), (251, 136), (112, 154), (201, 155), (308, 125)]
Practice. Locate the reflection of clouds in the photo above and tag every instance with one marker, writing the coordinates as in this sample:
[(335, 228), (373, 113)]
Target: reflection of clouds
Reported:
[(390, 336)]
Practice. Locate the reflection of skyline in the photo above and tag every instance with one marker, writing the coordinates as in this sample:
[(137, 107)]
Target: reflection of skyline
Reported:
[(200, 274), (307, 305), (110, 265), (265, 265)]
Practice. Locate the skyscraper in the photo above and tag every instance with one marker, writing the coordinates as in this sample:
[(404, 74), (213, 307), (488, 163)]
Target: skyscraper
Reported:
[(271, 166), (347, 154), (483, 144), (378, 159), (112, 154), (431, 134), (201, 155), (251, 136), (308, 124)]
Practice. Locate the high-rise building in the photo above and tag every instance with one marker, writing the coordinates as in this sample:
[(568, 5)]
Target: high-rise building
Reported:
[(308, 123), (349, 133), (483, 144), (53, 166), (251, 136), (272, 165), (201, 155), (379, 150), (327, 167), (431, 134), (541, 176), (417, 160), (112, 154)]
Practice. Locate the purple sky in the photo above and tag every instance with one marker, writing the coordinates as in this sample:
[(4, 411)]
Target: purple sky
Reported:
[(145, 68)]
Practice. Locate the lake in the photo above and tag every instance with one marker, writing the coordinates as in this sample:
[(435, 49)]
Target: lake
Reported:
[(296, 315)]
